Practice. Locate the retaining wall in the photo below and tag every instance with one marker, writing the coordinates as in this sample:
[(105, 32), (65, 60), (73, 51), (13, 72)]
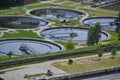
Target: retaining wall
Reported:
[(87, 74)]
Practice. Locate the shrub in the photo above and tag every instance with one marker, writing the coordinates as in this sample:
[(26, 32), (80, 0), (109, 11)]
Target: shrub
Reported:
[(9, 54), (70, 61), (100, 53), (113, 53), (70, 45)]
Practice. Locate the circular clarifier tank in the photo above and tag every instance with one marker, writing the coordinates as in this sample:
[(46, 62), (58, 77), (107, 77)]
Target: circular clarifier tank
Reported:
[(57, 13), (74, 34), (107, 23), (27, 47), (20, 22)]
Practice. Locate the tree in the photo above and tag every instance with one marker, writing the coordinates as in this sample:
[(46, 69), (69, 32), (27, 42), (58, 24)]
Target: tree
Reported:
[(4, 3), (97, 32), (100, 53), (94, 34), (9, 54), (90, 39), (117, 23), (113, 53), (8, 3)]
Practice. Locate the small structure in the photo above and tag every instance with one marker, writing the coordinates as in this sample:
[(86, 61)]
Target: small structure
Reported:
[(49, 72), (73, 35)]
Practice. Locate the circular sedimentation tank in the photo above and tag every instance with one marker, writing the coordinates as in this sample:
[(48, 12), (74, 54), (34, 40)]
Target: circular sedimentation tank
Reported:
[(21, 22), (57, 13), (22, 47), (107, 23), (75, 34)]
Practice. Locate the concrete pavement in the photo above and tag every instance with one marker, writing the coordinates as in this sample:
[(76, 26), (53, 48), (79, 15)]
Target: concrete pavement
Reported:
[(20, 72)]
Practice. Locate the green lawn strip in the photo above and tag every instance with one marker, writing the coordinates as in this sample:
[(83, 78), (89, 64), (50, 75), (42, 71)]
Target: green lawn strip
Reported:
[(3, 72), (58, 1), (75, 67), (6, 58), (42, 5), (12, 11), (21, 34), (22, 64), (67, 7), (73, 22), (100, 12), (36, 75), (69, 3), (114, 38), (3, 29), (113, 34), (56, 22), (57, 25), (53, 20), (19, 10), (78, 5)]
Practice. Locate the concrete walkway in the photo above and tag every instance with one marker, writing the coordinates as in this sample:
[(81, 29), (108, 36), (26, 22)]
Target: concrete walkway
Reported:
[(19, 73)]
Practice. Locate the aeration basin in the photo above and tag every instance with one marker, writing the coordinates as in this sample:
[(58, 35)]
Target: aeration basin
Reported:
[(57, 13), (27, 47), (107, 23), (74, 34), (20, 22)]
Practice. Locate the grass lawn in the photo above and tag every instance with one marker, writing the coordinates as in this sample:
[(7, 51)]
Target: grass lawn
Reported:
[(69, 3), (87, 64), (20, 11), (43, 5), (58, 1), (99, 12), (92, 12), (21, 34), (78, 5), (113, 34), (36, 75), (73, 3), (114, 38), (13, 11), (73, 22), (67, 7)]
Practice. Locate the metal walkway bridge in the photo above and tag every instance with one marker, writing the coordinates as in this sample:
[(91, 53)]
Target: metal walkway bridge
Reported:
[(27, 49)]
